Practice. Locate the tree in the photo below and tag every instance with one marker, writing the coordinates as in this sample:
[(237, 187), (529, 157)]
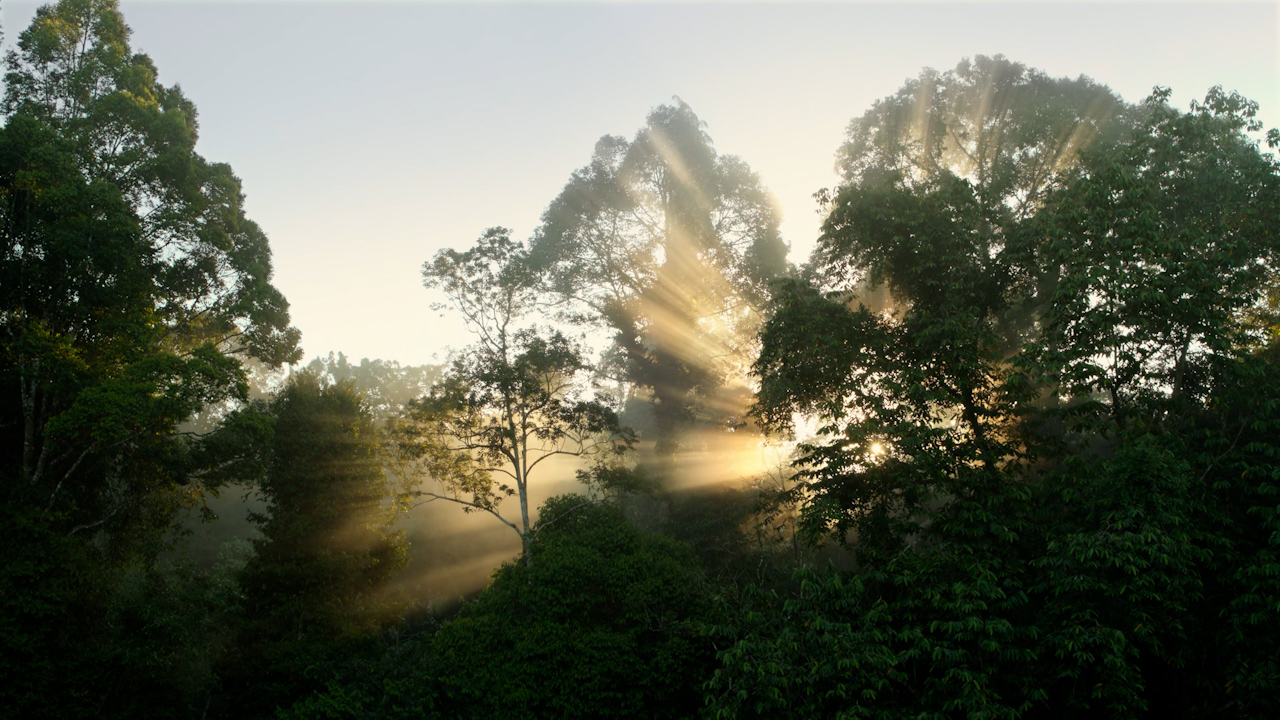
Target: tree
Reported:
[(602, 625), (1035, 444), (1158, 261), (672, 247), (605, 624), (132, 287), (1008, 129), (512, 402), (318, 580), (132, 280), (386, 385), (924, 286), (168, 635)]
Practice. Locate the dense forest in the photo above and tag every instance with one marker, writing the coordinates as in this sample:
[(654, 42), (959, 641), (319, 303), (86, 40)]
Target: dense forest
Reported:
[(1024, 398)]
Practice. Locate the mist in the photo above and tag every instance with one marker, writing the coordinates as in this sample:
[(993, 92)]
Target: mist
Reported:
[(583, 360)]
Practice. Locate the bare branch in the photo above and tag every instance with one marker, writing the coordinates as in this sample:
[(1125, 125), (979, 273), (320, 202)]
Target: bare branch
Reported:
[(474, 505)]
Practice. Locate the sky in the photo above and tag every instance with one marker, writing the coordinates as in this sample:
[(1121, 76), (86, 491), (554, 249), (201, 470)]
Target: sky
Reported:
[(370, 135)]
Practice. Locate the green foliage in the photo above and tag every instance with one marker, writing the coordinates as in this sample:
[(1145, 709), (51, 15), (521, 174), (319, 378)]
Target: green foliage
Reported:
[(514, 400), (607, 623), (1159, 254), (1080, 596), (1029, 371), (601, 625), (1039, 336), (318, 580), (168, 629), (131, 279), (390, 680), (1235, 451), (1008, 129), (52, 602), (80, 639), (131, 287)]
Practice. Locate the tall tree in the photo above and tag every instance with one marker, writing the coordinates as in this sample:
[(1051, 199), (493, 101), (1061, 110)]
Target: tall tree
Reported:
[(1038, 447), (924, 285), (516, 399), (132, 279), (672, 247), (318, 580), (132, 286), (1158, 261)]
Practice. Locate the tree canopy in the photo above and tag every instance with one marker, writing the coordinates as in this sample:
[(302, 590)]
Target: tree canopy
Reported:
[(387, 386), (1034, 432), (516, 399), (133, 282), (133, 288), (1030, 370), (318, 579), (672, 247), (1008, 129)]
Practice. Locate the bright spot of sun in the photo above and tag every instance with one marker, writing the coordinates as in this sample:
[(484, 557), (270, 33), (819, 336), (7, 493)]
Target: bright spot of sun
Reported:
[(877, 449)]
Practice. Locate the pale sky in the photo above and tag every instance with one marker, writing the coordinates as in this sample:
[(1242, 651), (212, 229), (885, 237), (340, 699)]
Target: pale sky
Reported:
[(370, 135)]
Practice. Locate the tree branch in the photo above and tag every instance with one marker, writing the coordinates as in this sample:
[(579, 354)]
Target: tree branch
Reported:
[(436, 496)]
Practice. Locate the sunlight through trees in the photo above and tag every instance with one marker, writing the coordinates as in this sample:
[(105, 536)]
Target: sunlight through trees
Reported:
[(1005, 446)]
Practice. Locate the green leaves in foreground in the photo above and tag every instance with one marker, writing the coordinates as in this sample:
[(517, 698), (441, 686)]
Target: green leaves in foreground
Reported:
[(1099, 605)]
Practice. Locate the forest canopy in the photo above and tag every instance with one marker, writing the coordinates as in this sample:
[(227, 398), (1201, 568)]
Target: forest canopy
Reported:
[(1025, 390)]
